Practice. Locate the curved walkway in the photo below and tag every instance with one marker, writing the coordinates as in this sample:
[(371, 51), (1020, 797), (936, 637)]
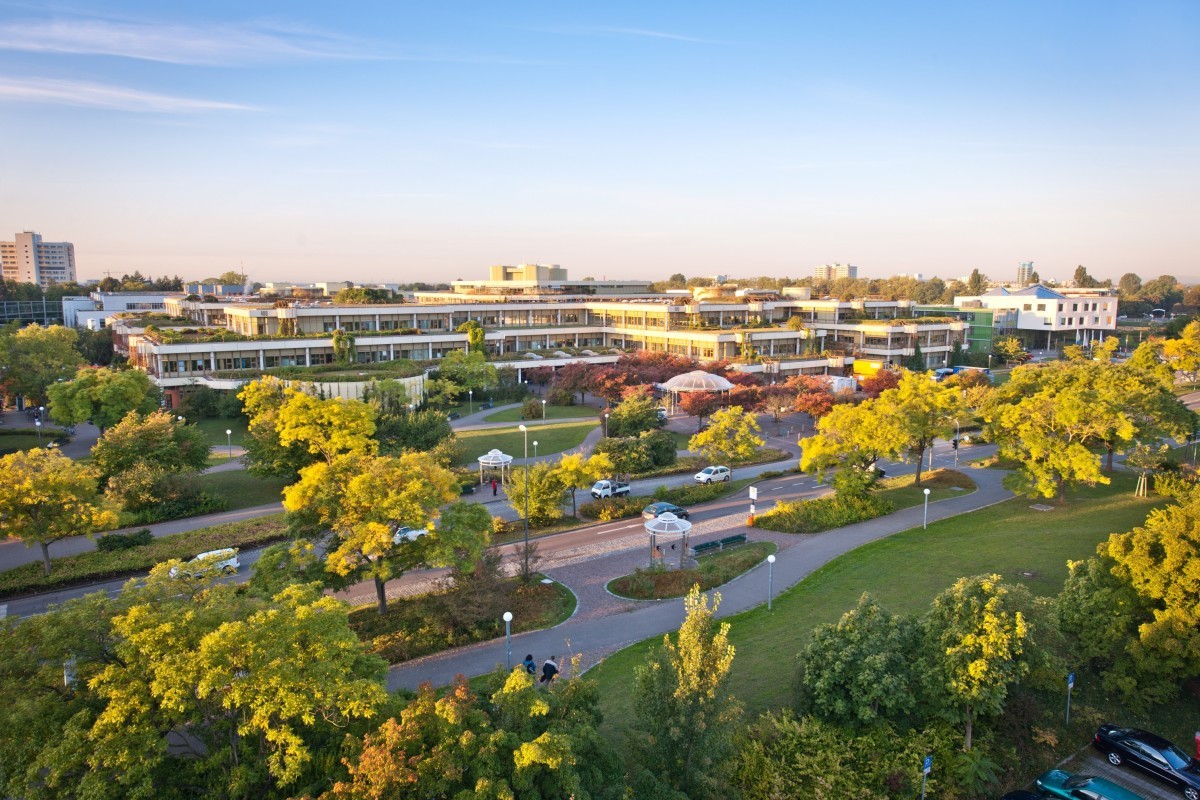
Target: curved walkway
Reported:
[(603, 624)]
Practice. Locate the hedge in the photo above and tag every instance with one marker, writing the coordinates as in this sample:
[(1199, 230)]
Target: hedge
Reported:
[(96, 566), (822, 514)]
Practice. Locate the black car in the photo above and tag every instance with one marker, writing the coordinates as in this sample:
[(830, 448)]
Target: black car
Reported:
[(1151, 754), (662, 507)]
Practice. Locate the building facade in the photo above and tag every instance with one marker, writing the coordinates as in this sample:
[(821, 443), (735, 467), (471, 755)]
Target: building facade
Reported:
[(1051, 319), (829, 272), (28, 259)]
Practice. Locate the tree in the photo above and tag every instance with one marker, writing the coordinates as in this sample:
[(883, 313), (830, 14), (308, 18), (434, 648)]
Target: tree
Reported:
[(468, 371), (700, 405), (265, 455), (361, 498), (917, 411), (684, 725), (1183, 353), (360, 295), (475, 336), (977, 630), (1158, 560), (731, 436), (259, 687), (158, 440), (634, 414), (343, 348), (1130, 285), (328, 428), (33, 358), (977, 283), (546, 490), (46, 496), (576, 472), (102, 396), (573, 379), (96, 347), (1009, 348), (1083, 280), (285, 564), (861, 669), (880, 382)]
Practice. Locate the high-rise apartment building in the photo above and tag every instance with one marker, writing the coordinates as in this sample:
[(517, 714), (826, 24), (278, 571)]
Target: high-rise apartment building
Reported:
[(30, 260), (829, 272), (1025, 273)]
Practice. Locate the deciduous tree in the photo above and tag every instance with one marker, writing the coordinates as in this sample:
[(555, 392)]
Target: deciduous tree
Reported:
[(158, 440), (327, 428), (634, 414), (265, 455), (33, 358), (577, 472), (731, 436), (546, 489), (683, 729), (46, 496), (103, 396), (977, 631)]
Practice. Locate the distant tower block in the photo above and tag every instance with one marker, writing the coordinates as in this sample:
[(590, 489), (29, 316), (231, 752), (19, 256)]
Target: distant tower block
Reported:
[(1025, 273)]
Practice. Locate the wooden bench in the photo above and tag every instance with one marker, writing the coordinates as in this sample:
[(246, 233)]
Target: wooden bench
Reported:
[(717, 544)]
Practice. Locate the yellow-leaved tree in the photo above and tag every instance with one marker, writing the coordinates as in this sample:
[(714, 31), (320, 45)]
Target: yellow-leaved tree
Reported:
[(731, 436)]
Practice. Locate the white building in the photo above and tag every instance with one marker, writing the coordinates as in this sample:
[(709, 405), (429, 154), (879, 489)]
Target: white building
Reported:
[(96, 311), (829, 272), (1051, 319), (27, 259)]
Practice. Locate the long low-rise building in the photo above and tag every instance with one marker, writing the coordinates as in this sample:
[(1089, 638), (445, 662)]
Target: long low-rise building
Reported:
[(781, 336)]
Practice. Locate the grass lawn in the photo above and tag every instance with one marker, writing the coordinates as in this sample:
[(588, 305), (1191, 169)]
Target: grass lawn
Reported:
[(416, 626), (16, 442), (904, 572), (215, 429), (242, 490), (941, 483), (552, 412), (681, 439), (711, 570), (551, 438)]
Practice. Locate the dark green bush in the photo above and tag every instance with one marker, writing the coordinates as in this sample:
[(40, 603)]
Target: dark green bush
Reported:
[(188, 505), (690, 495), (613, 508), (124, 541)]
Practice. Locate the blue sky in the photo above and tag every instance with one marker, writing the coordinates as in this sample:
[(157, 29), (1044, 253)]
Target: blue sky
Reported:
[(405, 141)]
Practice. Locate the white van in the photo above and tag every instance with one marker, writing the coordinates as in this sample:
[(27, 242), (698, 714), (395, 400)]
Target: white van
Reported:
[(225, 560)]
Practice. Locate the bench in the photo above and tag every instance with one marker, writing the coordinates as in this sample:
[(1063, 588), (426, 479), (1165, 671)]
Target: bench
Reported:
[(717, 544)]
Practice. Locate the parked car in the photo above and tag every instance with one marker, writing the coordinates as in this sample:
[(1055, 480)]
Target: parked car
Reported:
[(223, 560), (662, 507), (601, 489), (1057, 783), (710, 474), (661, 413), (1151, 754), (452, 415), (403, 533)]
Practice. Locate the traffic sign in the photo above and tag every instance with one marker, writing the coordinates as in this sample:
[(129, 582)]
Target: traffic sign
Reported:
[(753, 492), (928, 767), (1071, 680)]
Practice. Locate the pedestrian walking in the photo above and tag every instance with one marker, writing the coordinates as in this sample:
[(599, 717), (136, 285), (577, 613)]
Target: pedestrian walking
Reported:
[(549, 670), (529, 665), (494, 486)]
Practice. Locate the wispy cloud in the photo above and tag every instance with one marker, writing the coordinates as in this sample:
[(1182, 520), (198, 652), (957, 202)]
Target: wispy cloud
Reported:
[(176, 44), (95, 95), (603, 30)]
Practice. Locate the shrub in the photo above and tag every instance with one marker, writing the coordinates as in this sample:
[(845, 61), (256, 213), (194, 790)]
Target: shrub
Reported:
[(690, 495), (124, 541), (531, 409), (612, 508), (660, 447), (1176, 485), (822, 514)]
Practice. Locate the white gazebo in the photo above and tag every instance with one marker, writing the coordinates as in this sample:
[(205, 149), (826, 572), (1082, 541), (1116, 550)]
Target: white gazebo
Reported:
[(494, 459), (695, 381), (670, 526)]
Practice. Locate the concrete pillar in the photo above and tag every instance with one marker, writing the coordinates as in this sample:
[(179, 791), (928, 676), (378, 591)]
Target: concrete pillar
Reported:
[(307, 357), (262, 363)]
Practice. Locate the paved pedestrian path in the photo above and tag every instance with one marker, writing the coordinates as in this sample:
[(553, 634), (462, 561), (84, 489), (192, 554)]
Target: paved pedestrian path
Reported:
[(601, 626)]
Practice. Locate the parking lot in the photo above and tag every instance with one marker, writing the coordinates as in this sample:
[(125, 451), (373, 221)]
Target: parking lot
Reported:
[(1092, 762)]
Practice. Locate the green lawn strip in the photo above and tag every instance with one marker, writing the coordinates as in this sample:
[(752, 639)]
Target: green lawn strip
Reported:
[(904, 572), (681, 439), (14, 443), (417, 626), (214, 430), (241, 489), (713, 569), (551, 438), (95, 566), (552, 412)]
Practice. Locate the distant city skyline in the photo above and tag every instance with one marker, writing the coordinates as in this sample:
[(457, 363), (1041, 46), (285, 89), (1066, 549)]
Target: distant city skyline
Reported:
[(424, 142)]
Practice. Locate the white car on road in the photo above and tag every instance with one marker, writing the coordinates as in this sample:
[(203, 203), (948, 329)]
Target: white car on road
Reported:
[(403, 533), (710, 474), (224, 560)]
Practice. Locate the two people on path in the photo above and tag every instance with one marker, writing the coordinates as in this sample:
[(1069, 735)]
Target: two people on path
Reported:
[(529, 664), (549, 670)]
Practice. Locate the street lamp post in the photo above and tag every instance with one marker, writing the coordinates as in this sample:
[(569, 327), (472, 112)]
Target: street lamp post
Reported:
[(525, 431), (543, 412), (42, 413), (780, 426), (957, 441), (470, 401), (229, 441), (770, 579), (925, 524), (508, 639), (38, 424), (605, 424), (535, 449), (989, 361)]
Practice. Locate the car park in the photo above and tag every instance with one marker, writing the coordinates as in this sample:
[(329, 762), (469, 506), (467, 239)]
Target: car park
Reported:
[(1152, 754), (223, 560), (710, 474), (655, 510), (1057, 783)]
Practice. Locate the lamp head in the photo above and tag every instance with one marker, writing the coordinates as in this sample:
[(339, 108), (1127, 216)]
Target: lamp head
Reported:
[(771, 558), (508, 616), (522, 428), (228, 432), (927, 493)]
